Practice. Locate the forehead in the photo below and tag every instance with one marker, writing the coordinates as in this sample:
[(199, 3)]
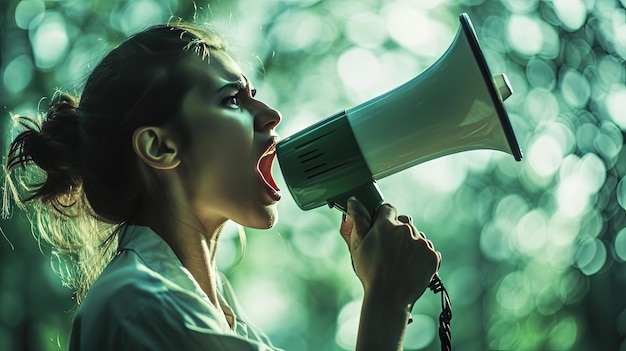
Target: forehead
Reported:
[(214, 71)]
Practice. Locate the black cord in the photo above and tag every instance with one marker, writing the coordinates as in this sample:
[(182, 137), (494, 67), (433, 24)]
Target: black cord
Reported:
[(445, 334)]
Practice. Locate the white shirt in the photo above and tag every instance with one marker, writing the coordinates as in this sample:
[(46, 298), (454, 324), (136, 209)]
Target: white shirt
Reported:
[(146, 299)]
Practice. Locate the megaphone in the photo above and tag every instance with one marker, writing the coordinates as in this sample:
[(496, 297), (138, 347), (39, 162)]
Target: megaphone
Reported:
[(454, 105)]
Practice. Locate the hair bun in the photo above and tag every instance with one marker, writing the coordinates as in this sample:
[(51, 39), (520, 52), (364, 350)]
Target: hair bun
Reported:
[(60, 135), (53, 146)]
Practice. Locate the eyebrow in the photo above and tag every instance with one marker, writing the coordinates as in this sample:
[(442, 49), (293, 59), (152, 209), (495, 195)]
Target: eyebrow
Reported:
[(242, 84)]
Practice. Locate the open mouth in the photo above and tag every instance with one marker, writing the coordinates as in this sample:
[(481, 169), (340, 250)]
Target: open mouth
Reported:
[(264, 167)]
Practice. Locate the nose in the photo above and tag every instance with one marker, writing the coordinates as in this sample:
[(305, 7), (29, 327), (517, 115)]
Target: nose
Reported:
[(266, 118)]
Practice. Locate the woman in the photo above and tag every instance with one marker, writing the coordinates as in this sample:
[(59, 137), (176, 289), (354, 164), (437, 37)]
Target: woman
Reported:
[(166, 144)]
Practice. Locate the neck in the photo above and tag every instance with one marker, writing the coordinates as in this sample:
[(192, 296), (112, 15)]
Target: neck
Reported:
[(194, 242)]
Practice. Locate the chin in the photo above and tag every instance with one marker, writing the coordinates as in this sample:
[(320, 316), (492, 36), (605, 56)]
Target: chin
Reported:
[(272, 218), (265, 219)]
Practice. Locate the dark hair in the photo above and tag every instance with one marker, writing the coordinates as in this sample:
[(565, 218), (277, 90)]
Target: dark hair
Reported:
[(83, 146)]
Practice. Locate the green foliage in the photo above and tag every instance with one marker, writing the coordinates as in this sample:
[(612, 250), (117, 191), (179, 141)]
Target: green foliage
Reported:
[(533, 252)]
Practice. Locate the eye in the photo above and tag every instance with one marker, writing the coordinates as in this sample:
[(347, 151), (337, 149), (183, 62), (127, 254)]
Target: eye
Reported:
[(253, 92), (232, 101)]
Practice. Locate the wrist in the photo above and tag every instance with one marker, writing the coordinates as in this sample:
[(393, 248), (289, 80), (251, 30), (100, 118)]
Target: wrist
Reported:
[(383, 323), (396, 298), (386, 306)]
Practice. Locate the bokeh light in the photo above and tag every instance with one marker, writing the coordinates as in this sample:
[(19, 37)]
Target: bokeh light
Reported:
[(50, 41), (18, 74), (27, 11), (534, 253)]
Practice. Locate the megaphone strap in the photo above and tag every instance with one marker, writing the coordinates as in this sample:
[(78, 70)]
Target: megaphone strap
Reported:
[(445, 333)]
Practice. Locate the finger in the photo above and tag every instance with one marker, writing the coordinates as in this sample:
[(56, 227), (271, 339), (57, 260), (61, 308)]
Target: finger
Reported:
[(408, 221), (438, 259), (386, 211), (346, 229), (411, 230), (346, 225), (430, 244), (422, 234), (362, 221)]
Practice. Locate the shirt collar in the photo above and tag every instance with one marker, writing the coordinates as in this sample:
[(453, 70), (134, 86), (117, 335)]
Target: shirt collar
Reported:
[(158, 255)]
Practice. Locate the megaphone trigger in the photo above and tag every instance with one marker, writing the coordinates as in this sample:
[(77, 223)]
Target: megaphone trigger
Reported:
[(368, 194)]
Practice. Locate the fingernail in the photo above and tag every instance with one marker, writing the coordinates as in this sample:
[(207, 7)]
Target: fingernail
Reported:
[(405, 219)]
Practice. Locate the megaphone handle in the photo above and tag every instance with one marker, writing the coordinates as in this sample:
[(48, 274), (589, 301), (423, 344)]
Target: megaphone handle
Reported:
[(368, 194)]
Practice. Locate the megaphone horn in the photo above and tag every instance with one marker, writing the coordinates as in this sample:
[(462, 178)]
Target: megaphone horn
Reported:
[(454, 105)]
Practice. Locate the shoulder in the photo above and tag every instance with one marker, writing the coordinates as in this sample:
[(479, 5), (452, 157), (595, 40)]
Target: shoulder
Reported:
[(126, 287), (139, 306), (126, 291), (125, 282)]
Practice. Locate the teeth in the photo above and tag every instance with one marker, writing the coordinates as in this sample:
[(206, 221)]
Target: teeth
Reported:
[(270, 150)]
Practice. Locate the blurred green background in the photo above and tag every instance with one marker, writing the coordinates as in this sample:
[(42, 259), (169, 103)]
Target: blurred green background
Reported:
[(533, 252)]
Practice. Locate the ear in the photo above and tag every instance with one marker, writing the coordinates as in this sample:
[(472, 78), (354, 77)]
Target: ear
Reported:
[(156, 147)]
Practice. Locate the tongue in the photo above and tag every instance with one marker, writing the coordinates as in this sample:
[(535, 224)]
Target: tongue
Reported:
[(264, 169)]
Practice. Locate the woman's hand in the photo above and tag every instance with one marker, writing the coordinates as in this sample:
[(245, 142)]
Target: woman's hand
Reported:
[(393, 260)]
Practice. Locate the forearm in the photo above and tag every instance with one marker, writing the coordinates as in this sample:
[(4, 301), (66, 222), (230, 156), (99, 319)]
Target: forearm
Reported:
[(382, 325)]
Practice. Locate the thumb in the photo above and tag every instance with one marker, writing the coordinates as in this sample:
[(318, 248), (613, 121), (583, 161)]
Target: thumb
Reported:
[(346, 228), (360, 216)]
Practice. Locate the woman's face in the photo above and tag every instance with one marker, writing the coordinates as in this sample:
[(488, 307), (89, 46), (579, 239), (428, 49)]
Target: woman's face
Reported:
[(226, 164)]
